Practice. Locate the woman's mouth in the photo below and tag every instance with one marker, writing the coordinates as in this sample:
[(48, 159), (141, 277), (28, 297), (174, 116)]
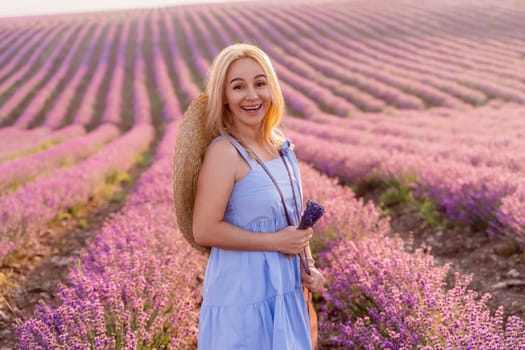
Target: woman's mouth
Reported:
[(252, 109)]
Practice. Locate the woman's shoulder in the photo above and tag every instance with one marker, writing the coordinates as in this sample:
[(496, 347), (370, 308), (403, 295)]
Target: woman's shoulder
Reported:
[(222, 148)]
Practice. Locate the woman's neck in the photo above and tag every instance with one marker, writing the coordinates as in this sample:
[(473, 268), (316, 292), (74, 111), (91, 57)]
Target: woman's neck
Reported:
[(254, 141), (250, 136)]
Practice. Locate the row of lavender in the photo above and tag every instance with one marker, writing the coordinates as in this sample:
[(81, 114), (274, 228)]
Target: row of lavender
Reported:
[(504, 154), (354, 76), (490, 197), (17, 143), (503, 150), (26, 210), (21, 170), (133, 288)]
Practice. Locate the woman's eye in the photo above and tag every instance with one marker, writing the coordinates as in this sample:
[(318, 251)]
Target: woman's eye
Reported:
[(261, 83), (237, 87)]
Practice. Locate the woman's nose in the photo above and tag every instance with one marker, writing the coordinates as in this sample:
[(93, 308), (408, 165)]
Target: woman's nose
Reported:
[(252, 93)]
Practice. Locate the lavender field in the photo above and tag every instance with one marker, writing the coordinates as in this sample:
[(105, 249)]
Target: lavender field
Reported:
[(426, 97)]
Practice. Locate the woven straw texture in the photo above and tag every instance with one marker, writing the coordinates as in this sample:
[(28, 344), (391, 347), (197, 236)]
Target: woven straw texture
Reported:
[(192, 140)]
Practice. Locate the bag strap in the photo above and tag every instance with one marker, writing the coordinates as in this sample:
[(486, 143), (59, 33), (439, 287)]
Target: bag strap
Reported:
[(265, 168), (291, 176)]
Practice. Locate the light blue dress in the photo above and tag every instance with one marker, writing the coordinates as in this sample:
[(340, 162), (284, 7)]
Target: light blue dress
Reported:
[(254, 300)]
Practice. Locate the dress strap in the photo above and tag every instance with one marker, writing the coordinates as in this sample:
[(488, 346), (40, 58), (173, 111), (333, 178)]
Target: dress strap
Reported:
[(242, 151)]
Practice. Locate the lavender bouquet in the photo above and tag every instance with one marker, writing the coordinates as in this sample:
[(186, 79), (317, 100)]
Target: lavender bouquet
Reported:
[(311, 214)]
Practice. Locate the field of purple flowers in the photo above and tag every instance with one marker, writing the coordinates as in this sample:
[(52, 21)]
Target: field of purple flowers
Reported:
[(424, 99)]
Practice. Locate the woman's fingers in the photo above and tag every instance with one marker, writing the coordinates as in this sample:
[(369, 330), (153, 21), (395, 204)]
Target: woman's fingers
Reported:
[(314, 282), (293, 241), (307, 279)]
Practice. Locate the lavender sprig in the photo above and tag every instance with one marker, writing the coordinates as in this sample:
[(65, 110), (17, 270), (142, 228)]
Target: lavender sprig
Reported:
[(312, 213)]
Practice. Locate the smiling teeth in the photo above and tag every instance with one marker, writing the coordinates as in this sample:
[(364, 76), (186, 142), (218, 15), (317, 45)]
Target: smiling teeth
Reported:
[(252, 108)]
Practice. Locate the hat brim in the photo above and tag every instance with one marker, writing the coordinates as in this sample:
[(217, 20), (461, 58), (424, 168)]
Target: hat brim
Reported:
[(192, 141)]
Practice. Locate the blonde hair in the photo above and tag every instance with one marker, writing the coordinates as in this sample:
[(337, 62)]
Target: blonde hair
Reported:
[(217, 121)]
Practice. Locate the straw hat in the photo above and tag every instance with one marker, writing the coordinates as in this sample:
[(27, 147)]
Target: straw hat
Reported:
[(192, 140)]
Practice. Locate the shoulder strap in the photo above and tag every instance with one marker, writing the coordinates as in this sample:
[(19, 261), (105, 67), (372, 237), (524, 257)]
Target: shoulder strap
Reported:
[(261, 163), (242, 151)]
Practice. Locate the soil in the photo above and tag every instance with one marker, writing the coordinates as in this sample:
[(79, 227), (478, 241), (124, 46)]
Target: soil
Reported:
[(497, 265)]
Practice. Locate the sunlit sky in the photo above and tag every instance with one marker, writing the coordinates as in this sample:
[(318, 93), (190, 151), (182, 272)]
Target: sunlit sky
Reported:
[(12, 8)]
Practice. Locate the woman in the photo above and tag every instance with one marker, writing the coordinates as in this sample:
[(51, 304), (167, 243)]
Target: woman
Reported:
[(253, 296)]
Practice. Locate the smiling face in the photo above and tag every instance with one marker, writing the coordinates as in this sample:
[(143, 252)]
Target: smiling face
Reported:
[(246, 93)]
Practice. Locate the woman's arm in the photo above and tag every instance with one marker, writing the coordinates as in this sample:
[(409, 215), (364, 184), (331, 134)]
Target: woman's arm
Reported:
[(222, 166)]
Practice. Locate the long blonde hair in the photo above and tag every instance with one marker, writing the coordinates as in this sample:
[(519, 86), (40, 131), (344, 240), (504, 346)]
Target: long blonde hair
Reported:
[(218, 122)]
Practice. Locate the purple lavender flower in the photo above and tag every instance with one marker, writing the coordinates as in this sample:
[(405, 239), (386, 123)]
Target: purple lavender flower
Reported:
[(311, 214)]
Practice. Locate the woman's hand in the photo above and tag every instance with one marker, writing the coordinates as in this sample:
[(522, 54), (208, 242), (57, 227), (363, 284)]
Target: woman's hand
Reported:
[(315, 281), (291, 241)]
